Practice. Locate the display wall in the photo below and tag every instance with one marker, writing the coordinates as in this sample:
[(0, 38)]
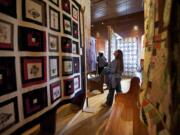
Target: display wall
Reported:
[(155, 112), (40, 58)]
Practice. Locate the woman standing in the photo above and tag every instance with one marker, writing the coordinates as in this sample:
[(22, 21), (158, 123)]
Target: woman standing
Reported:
[(116, 69)]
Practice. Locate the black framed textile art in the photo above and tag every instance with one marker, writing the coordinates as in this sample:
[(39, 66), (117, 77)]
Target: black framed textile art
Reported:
[(55, 91), (34, 101), (75, 47), (53, 66), (66, 5), (76, 64), (54, 19), (34, 11), (56, 2), (53, 43), (33, 70), (68, 87), (33, 39), (66, 45), (67, 65), (8, 7), (67, 27), (7, 75), (6, 35), (75, 30), (75, 13), (76, 82), (8, 114)]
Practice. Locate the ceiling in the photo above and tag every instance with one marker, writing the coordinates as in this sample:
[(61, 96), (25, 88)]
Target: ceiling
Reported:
[(106, 9)]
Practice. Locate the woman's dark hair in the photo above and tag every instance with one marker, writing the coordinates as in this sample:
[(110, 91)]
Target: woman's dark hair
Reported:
[(119, 59)]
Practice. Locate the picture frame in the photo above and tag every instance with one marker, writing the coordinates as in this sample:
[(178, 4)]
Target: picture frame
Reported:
[(53, 66), (67, 65), (67, 25), (53, 43), (75, 30), (6, 38), (76, 64), (8, 114), (8, 7), (66, 6), (33, 40), (76, 82), (33, 70), (75, 47), (54, 19), (55, 91), (68, 87), (34, 101), (34, 11), (56, 2), (7, 75), (75, 13), (66, 45)]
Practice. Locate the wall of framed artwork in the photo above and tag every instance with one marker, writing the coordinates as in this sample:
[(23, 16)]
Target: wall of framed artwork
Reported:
[(37, 51)]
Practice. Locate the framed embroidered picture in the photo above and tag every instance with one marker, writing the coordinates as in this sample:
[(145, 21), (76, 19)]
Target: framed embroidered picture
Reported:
[(8, 114), (76, 82), (34, 101), (75, 47), (75, 30), (33, 40), (55, 91), (53, 66), (67, 25), (68, 87), (6, 35), (53, 43), (75, 12), (76, 64), (7, 75), (66, 45), (8, 7), (56, 2), (34, 11), (54, 19), (66, 5), (67, 65), (33, 70)]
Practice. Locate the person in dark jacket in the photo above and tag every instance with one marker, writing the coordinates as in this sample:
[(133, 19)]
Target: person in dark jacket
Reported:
[(102, 62)]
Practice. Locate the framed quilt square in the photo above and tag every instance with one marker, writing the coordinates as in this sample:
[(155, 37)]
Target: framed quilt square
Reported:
[(8, 7), (34, 101), (56, 2), (31, 39), (33, 70), (76, 82), (66, 45), (67, 25), (34, 11), (53, 43), (6, 35), (54, 19), (55, 91), (67, 64), (75, 30), (53, 66), (76, 64), (8, 114), (75, 47), (68, 87), (66, 5), (7, 75), (75, 12)]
